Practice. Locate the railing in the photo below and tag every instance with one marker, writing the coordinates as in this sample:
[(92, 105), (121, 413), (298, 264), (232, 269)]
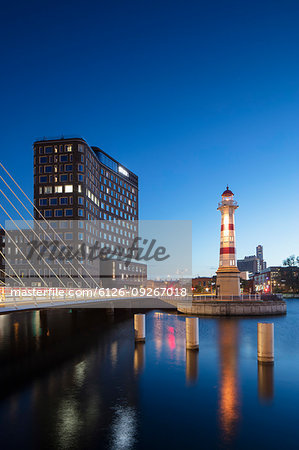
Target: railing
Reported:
[(46, 299), (227, 203), (228, 298)]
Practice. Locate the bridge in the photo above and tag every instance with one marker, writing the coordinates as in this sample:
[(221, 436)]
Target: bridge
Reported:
[(41, 298)]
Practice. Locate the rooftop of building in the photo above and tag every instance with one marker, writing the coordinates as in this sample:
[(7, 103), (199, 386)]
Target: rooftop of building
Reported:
[(96, 150)]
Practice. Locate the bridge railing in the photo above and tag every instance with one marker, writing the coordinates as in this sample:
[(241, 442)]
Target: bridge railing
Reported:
[(16, 299), (226, 298)]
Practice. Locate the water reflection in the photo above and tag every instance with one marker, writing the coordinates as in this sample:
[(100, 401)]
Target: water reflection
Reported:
[(191, 367), (123, 430), (139, 357), (76, 379), (265, 381), (229, 401)]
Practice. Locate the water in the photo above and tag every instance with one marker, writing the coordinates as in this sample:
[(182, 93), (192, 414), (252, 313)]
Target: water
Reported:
[(76, 380)]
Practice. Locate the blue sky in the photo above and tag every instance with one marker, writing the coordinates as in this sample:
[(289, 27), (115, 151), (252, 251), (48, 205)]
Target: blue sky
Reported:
[(189, 95)]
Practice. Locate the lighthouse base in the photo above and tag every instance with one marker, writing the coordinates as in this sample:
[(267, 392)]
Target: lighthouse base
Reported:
[(228, 282)]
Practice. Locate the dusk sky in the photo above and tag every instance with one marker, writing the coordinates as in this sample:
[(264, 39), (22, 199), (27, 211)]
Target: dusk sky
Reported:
[(188, 95)]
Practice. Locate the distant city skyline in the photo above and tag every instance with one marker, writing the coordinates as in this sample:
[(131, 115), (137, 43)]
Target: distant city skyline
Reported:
[(190, 97)]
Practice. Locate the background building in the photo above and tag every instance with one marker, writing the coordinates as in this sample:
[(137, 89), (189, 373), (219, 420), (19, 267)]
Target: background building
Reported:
[(204, 284), (253, 263), (277, 279), (249, 264)]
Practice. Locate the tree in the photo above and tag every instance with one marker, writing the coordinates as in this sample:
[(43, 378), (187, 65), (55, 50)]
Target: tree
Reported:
[(291, 261)]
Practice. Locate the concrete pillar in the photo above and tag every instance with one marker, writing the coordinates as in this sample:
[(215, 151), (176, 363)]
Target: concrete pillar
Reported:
[(192, 333), (139, 327), (265, 342)]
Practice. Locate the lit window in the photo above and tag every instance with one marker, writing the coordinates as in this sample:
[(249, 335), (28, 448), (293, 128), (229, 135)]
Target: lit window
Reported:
[(68, 188), (58, 189), (48, 190), (68, 148)]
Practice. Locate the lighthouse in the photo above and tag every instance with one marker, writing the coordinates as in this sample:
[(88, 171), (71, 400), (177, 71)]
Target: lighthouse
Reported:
[(228, 274)]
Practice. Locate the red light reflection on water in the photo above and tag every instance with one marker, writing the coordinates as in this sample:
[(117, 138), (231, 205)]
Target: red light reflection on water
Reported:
[(171, 338)]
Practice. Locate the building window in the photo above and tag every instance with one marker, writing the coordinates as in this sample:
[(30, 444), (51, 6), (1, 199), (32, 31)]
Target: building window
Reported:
[(68, 148), (63, 178), (80, 168), (68, 188), (80, 236), (80, 212), (58, 189), (68, 167), (63, 224), (80, 177), (80, 201), (43, 179), (58, 213), (43, 159), (63, 201), (48, 189), (53, 201), (48, 150), (68, 212), (43, 202), (63, 158), (68, 236), (48, 213)]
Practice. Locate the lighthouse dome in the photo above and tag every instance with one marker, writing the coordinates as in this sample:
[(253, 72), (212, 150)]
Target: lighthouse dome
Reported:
[(227, 192)]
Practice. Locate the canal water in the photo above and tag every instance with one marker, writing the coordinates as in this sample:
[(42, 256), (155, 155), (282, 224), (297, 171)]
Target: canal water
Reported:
[(74, 379)]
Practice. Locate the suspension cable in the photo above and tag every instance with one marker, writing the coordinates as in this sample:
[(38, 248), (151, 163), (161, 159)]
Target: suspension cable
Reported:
[(40, 241), (11, 267), (8, 234), (23, 234), (45, 220)]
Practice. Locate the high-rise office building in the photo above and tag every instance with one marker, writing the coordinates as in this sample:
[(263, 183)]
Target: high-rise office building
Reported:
[(260, 256), (74, 180), (89, 197)]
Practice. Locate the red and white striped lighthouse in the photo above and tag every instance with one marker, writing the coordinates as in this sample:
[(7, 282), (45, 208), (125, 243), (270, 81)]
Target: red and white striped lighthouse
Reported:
[(228, 275)]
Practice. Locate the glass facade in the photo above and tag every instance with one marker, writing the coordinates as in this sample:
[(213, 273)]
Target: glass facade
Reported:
[(107, 161)]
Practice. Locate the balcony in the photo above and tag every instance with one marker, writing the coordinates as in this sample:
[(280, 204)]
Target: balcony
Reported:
[(228, 203)]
